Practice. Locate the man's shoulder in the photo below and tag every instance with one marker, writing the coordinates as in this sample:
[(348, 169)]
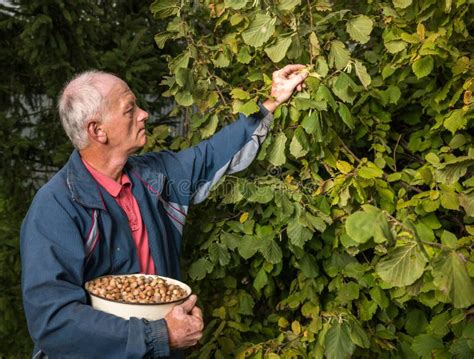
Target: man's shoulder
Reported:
[(55, 189)]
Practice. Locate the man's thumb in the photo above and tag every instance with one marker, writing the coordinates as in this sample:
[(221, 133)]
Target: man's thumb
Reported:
[(189, 304)]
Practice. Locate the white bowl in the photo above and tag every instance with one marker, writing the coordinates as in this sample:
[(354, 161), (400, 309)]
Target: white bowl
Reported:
[(149, 311)]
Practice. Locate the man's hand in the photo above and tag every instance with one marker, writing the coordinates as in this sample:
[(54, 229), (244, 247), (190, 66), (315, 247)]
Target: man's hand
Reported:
[(184, 324), (285, 81)]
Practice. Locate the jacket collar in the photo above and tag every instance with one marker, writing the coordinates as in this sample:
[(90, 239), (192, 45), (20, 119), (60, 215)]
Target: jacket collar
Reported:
[(84, 189)]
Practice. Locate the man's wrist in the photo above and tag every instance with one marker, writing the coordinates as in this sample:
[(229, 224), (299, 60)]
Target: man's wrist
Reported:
[(270, 105)]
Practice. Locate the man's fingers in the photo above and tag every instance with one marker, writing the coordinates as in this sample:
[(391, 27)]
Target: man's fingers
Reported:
[(297, 79), (189, 304), (197, 312), (289, 69)]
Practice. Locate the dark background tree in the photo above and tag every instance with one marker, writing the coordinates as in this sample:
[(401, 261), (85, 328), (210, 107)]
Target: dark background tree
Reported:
[(43, 43)]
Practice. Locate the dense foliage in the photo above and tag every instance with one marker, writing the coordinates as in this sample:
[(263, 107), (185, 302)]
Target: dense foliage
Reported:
[(352, 233), (43, 43)]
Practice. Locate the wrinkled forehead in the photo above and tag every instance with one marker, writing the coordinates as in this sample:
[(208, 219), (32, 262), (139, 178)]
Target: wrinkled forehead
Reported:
[(117, 92)]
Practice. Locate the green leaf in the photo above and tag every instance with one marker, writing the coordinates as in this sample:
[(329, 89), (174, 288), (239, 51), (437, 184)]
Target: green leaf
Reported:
[(451, 278), (184, 98), (395, 46), (346, 116), (246, 303), (343, 88), (288, 5), (277, 52), (359, 28), (309, 122), (162, 9), (299, 145), (210, 128), (402, 266), (455, 121), (298, 234), (449, 200), (218, 252), (200, 268), (248, 108), (369, 171), (360, 226), (239, 94), (235, 4), (308, 266), (402, 4), (424, 344), (231, 240), (244, 55), (162, 37), (259, 31), (423, 67), (415, 322), (451, 171), (271, 251), (358, 335), (248, 246), (179, 61), (362, 74), (261, 280), (338, 55), (276, 155), (338, 343)]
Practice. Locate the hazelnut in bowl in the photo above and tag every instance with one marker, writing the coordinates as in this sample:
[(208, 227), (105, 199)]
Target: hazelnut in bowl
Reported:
[(136, 295)]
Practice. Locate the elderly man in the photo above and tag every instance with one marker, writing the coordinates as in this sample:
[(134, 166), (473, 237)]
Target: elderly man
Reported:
[(107, 212)]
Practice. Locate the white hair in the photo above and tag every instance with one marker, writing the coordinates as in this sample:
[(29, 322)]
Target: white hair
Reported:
[(80, 101)]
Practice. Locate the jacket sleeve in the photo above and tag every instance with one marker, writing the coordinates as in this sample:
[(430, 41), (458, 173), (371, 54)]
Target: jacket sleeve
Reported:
[(60, 321), (193, 171)]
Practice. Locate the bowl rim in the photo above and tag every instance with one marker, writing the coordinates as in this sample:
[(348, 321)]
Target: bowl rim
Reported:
[(135, 275)]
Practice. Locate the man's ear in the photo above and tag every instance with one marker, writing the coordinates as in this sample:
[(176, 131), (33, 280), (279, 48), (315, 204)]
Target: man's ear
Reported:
[(96, 132)]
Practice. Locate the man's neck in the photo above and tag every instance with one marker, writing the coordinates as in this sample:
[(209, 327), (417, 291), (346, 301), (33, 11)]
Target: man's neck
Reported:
[(108, 163)]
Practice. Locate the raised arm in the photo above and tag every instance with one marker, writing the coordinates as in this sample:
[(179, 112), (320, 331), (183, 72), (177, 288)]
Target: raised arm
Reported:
[(195, 170)]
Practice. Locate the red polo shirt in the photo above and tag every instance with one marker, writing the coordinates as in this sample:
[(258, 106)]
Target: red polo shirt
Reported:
[(122, 193)]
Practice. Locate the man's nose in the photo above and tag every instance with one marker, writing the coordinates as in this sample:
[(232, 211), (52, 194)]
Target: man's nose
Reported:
[(143, 115)]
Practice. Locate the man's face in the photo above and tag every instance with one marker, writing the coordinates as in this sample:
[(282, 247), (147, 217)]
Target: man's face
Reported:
[(124, 121)]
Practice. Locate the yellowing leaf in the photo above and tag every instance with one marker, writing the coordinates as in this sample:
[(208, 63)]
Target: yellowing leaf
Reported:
[(314, 42), (243, 217), (359, 28), (296, 327), (344, 167), (259, 31), (277, 52)]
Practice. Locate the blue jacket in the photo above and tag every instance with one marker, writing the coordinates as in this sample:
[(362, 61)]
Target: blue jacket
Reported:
[(74, 231)]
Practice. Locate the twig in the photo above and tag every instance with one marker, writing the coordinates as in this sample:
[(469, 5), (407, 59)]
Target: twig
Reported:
[(311, 54), (349, 150), (395, 154)]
